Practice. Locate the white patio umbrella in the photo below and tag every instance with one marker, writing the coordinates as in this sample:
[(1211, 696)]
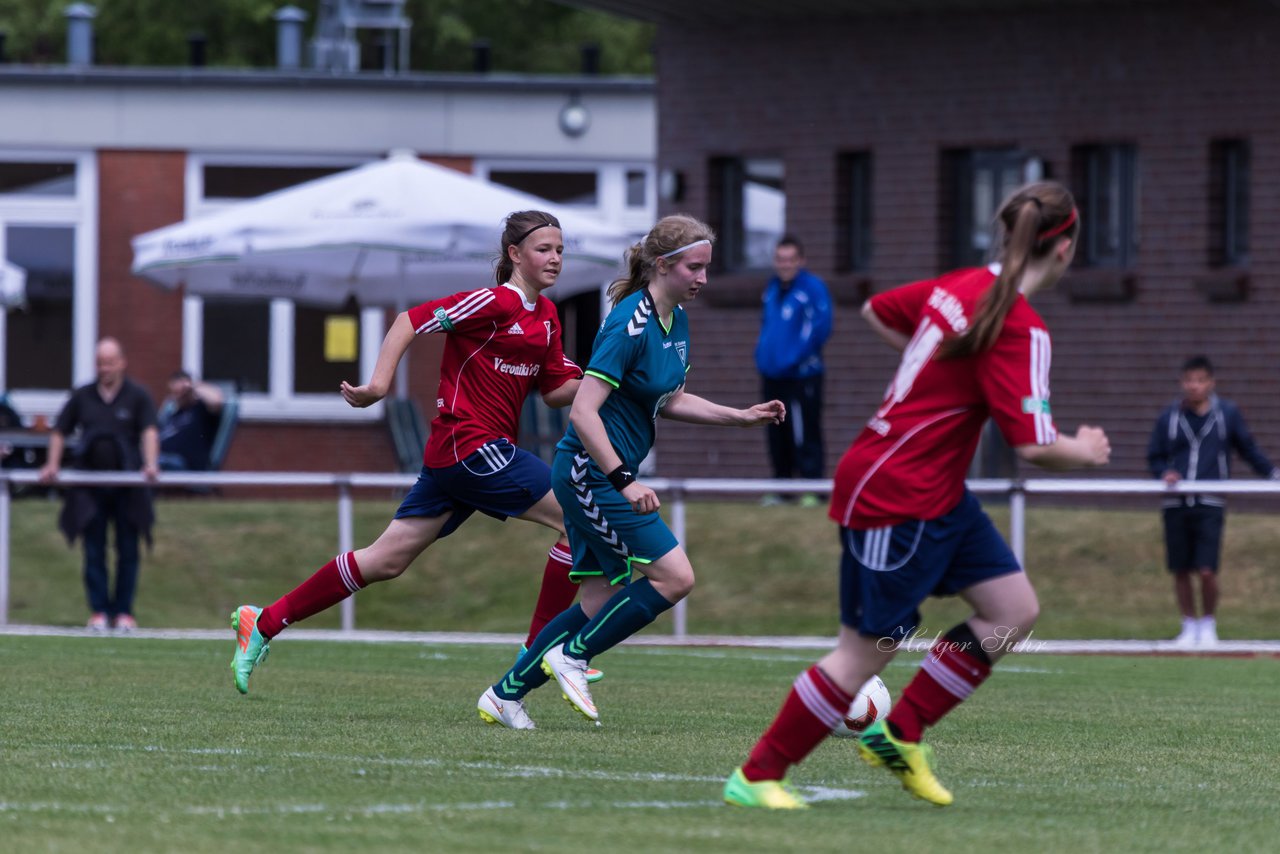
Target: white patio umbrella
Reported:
[(395, 232), (13, 293)]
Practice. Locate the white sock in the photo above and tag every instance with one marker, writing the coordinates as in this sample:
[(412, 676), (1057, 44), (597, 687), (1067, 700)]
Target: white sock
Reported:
[(1190, 624), (1208, 622)]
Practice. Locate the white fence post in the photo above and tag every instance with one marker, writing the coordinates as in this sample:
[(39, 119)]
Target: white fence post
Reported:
[(679, 614), (1018, 523), (346, 541)]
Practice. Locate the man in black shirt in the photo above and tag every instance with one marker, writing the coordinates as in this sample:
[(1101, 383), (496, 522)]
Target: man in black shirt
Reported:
[(116, 420)]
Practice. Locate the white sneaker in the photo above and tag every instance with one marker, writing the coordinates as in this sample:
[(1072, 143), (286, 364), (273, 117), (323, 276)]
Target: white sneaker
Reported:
[(571, 673), (98, 623), (1190, 634), (1208, 635), (509, 713)]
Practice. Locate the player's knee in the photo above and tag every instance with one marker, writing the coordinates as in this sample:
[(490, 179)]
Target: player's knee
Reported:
[(679, 585), (380, 567)]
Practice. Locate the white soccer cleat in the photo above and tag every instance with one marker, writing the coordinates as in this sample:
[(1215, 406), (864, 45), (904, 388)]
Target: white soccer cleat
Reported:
[(571, 673), (510, 713)]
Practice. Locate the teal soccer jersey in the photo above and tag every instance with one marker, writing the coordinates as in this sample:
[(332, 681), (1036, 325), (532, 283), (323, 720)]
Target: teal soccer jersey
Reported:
[(645, 364)]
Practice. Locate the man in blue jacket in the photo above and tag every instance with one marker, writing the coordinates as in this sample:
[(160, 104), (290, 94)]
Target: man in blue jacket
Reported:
[(796, 323), (1193, 440)]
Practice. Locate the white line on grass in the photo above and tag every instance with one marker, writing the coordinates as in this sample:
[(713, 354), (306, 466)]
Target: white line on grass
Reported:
[(498, 769), (1033, 645)]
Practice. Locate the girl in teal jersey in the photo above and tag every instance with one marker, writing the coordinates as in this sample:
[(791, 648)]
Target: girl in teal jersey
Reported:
[(636, 373)]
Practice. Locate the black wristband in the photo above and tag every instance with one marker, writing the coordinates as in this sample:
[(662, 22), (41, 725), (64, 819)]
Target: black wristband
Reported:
[(619, 478)]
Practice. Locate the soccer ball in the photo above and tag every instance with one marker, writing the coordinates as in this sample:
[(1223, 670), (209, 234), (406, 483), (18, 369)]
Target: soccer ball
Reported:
[(870, 704)]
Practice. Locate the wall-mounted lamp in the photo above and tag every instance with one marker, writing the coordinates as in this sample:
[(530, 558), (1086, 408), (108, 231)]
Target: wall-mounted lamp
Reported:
[(574, 117)]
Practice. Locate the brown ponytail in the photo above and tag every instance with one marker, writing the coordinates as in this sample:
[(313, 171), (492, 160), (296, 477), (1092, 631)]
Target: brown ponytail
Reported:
[(667, 235), (1033, 220), (516, 228)]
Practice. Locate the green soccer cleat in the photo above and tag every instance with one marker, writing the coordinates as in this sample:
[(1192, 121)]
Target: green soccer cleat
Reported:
[(251, 646), (768, 794), (908, 761)]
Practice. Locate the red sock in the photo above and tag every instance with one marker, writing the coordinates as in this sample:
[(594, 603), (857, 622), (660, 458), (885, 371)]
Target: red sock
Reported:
[(332, 583), (812, 709), (946, 677), (557, 592)]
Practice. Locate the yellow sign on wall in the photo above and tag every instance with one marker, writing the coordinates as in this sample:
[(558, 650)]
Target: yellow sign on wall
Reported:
[(340, 338)]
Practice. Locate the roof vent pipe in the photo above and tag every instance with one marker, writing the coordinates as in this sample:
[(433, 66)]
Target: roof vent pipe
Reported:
[(289, 21), (80, 33), (590, 58), (196, 43)]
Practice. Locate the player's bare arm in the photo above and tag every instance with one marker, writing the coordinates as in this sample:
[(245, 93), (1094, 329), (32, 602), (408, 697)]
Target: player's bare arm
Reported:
[(563, 395), (1088, 448), (892, 337), (585, 417), (398, 339), (693, 409)]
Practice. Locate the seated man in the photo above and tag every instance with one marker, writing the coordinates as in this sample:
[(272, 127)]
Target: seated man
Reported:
[(189, 423)]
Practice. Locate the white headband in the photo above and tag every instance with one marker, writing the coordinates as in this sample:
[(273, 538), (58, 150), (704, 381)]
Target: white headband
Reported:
[(683, 248)]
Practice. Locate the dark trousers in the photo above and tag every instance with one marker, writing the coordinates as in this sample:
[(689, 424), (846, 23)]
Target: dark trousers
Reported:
[(112, 507), (795, 445)]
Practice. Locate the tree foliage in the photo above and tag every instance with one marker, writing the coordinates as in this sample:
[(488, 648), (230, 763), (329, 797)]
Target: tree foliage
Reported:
[(535, 36)]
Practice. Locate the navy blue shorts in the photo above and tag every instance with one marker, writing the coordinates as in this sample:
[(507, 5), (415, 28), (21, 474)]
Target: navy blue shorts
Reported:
[(498, 479), (607, 538), (1193, 537), (885, 573)]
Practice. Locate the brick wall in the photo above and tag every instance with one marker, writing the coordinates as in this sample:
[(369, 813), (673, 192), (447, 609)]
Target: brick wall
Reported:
[(139, 191), (1167, 78)]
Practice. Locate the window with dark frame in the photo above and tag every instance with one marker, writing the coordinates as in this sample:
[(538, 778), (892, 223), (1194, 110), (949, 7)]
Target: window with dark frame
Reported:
[(853, 212), (316, 370), (249, 182), (37, 179), (748, 210), (38, 336), (1105, 183), (977, 181), (236, 343), (1229, 203), (563, 186)]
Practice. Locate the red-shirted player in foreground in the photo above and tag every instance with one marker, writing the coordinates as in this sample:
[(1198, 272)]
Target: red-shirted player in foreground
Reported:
[(502, 343), (972, 348)]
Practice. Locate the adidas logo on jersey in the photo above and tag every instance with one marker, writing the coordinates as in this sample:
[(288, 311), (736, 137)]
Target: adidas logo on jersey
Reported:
[(515, 329)]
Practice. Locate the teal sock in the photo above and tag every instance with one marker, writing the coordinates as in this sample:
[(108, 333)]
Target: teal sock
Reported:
[(525, 674), (630, 610)]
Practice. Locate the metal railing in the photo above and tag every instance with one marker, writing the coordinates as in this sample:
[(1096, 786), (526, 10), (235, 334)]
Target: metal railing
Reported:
[(677, 491)]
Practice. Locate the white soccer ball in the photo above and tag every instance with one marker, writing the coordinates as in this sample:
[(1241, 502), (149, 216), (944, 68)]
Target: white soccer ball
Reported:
[(869, 705)]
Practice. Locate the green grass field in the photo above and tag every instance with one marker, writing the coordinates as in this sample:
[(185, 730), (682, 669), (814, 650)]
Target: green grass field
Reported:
[(761, 571), (129, 744)]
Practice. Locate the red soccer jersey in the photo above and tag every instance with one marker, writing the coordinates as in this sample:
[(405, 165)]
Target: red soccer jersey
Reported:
[(910, 460), (499, 348)]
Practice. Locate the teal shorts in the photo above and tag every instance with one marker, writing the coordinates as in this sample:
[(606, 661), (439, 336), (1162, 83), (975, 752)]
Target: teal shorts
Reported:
[(607, 538)]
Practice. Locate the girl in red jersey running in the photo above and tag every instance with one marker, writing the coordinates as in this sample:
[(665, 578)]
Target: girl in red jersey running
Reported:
[(972, 348), (502, 343)]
